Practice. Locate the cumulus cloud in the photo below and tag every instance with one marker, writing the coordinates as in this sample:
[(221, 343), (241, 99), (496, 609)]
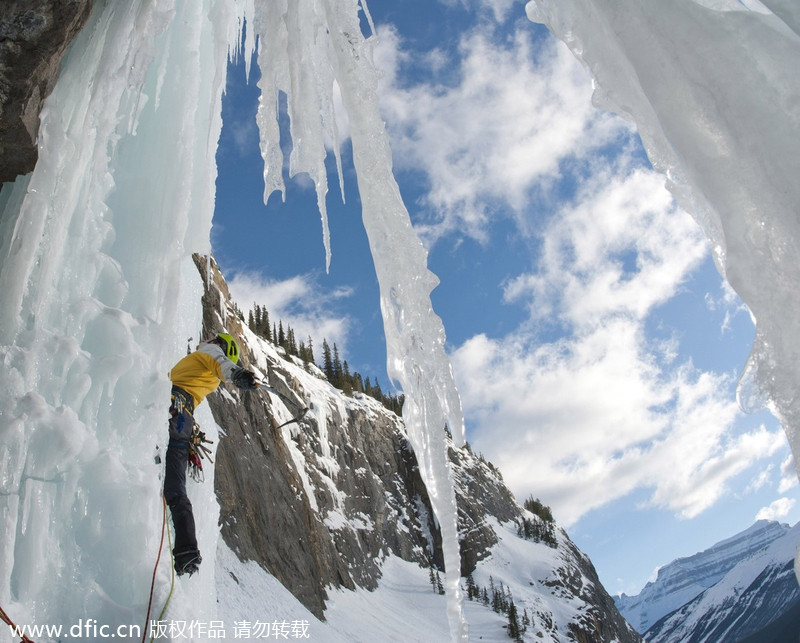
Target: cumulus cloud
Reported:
[(776, 510), (579, 405), (603, 410), (518, 110), (584, 421), (622, 249), (298, 301)]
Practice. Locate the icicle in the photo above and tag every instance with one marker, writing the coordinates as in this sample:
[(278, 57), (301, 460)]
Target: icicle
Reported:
[(334, 50), (292, 59)]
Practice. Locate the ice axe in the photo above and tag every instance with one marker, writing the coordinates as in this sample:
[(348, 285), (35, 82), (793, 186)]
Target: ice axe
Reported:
[(298, 417)]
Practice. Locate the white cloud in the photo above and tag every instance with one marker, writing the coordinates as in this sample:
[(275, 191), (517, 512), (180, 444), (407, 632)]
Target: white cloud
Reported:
[(518, 110), (762, 479), (581, 423), (578, 406), (500, 9), (623, 249), (602, 411), (776, 510), (298, 301)]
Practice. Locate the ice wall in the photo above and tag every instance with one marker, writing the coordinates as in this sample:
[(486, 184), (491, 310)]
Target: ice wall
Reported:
[(98, 296), (713, 88)]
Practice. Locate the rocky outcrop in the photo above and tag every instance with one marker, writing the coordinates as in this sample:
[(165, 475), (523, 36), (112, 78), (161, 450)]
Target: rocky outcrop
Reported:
[(34, 35), (322, 502), (600, 620), (317, 503)]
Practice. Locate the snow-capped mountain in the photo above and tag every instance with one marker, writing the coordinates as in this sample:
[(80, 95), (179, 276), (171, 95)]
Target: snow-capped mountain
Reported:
[(753, 594), (335, 504), (725, 593), (685, 578)]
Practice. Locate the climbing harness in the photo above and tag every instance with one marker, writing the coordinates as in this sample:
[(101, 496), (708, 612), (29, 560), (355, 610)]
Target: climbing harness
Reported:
[(4, 617), (180, 405), (197, 451), (181, 410)]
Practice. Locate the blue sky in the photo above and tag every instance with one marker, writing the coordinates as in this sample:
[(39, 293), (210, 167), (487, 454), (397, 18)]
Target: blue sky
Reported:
[(594, 343)]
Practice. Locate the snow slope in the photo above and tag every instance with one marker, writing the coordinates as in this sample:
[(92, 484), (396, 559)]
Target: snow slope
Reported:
[(404, 607)]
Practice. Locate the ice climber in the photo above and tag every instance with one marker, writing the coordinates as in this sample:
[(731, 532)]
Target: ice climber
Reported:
[(194, 377)]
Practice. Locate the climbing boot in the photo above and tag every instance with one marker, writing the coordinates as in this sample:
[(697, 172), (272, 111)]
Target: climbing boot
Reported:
[(187, 562)]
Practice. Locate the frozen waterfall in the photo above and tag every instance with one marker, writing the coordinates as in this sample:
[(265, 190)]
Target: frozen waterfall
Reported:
[(98, 293)]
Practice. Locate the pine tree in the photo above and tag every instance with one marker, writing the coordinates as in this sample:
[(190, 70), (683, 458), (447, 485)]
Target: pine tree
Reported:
[(264, 326), (327, 363), (281, 335), (310, 348), (337, 368), (513, 622), (347, 380), (537, 507), (472, 589), (377, 393)]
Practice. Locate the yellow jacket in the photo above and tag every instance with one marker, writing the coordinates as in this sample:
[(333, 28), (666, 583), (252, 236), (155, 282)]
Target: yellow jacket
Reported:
[(201, 372)]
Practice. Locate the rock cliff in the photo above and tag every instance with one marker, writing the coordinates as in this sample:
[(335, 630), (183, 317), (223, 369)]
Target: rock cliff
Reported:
[(322, 502), (34, 35)]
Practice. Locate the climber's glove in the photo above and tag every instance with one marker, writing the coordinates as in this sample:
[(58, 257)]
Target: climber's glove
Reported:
[(245, 380)]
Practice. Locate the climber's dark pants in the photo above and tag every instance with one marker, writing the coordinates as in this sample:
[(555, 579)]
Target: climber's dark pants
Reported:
[(181, 423)]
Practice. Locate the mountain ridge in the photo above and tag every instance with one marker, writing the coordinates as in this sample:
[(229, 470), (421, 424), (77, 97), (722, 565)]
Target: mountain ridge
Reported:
[(749, 598), (684, 578)]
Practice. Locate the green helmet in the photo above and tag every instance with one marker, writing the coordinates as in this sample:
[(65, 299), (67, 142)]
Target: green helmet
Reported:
[(231, 348)]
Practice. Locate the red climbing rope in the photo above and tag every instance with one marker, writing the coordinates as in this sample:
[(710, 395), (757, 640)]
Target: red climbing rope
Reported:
[(11, 624), (155, 568)]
